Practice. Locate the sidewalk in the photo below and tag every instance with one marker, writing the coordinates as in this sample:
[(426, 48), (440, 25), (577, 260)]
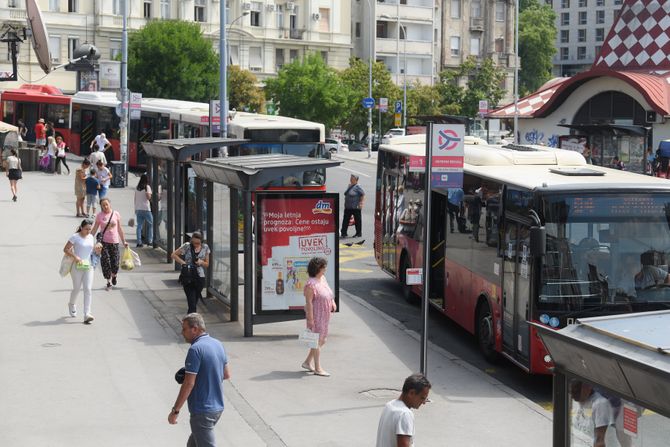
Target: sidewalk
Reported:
[(111, 383)]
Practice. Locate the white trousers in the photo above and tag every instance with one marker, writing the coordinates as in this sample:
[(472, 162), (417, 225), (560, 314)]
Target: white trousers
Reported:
[(82, 278)]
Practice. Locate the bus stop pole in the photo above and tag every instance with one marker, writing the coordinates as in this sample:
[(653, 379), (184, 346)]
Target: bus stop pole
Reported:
[(426, 253)]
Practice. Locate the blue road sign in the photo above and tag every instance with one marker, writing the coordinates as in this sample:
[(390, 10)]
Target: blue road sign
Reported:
[(398, 107), (368, 103)]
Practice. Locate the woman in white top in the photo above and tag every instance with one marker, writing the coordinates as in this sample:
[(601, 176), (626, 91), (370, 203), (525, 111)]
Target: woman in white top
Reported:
[(79, 247), (143, 210), (14, 172), (105, 177), (60, 154)]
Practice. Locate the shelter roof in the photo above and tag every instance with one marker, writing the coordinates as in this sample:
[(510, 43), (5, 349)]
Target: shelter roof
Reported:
[(182, 148), (253, 171)]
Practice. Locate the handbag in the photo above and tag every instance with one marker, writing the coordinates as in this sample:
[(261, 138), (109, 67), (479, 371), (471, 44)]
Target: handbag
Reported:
[(65, 265), (309, 338), (99, 236), (189, 271)]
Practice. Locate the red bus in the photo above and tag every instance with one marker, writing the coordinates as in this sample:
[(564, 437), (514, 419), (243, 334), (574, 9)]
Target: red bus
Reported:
[(607, 241), (31, 102)]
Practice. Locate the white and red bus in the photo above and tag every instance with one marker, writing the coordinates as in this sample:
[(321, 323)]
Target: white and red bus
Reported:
[(607, 241), (31, 102)]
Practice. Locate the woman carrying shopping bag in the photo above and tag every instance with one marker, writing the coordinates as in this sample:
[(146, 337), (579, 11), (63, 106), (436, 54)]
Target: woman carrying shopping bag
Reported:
[(79, 247), (195, 254), (112, 233)]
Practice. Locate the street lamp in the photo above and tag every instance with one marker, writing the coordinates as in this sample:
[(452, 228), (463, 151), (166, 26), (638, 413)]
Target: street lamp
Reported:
[(404, 56), (223, 69), (371, 58)]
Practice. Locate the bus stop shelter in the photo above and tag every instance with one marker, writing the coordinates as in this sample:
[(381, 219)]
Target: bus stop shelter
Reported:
[(625, 361), (181, 198), (241, 176)]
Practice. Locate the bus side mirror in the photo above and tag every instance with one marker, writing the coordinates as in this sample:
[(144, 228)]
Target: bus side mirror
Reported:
[(538, 241)]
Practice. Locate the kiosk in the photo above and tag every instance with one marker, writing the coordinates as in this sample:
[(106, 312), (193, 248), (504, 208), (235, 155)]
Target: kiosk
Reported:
[(611, 380)]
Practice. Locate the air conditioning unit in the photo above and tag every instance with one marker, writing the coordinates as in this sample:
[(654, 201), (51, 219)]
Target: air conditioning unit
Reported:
[(316, 16), (290, 6), (246, 6), (652, 117), (271, 7)]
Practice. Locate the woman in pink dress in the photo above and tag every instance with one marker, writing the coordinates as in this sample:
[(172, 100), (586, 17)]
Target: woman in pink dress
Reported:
[(319, 303)]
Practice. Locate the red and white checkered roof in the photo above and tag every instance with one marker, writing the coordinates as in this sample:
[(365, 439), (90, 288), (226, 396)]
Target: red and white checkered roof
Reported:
[(530, 104), (639, 38)]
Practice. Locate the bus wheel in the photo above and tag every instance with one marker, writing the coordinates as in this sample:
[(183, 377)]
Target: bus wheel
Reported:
[(485, 332), (407, 293)]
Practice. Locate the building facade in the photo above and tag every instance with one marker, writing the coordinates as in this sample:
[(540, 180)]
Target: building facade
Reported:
[(479, 28), (404, 37), (582, 27), (262, 35)]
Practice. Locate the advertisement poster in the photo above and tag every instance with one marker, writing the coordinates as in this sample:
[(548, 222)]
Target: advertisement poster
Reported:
[(292, 229)]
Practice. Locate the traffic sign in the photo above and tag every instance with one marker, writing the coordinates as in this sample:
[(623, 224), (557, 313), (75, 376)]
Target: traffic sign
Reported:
[(396, 119), (383, 104), (398, 106), (368, 103)]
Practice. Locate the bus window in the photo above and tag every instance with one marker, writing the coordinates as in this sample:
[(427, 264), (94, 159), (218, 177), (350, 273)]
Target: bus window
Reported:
[(8, 111), (59, 114)]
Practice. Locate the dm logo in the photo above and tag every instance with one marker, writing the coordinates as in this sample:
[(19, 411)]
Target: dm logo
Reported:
[(447, 140), (322, 207)]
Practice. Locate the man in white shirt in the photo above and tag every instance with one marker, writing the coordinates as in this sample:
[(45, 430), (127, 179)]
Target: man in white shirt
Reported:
[(590, 401), (101, 142), (396, 424)]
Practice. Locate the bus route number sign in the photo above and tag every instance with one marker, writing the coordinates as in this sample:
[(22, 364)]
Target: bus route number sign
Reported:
[(414, 276)]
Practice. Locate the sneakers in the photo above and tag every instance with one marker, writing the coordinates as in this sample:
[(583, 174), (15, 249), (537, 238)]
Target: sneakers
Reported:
[(14, 199), (88, 319), (109, 286), (73, 309), (139, 245), (113, 280)]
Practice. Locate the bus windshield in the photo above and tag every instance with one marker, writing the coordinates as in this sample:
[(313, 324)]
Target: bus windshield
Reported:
[(606, 253)]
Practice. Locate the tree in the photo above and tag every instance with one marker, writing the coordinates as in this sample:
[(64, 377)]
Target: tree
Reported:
[(422, 100), (356, 81), (309, 89), (484, 80), (537, 37), (172, 59), (243, 93)]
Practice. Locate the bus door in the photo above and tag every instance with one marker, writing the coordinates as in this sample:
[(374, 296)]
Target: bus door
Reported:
[(389, 186), (88, 126), (147, 134), (30, 113), (516, 291), (439, 220)]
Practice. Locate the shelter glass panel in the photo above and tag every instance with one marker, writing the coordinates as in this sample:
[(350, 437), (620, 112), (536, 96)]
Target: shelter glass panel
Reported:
[(221, 240)]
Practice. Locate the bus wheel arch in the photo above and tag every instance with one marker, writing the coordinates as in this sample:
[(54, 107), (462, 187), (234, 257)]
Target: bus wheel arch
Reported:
[(485, 329)]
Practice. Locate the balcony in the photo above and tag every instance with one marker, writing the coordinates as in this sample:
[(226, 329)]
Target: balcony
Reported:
[(390, 46), (296, 33), (476, 24), (407, 13)]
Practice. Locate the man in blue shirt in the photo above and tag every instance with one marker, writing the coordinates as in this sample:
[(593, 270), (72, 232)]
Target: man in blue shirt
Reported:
[(206, 369)]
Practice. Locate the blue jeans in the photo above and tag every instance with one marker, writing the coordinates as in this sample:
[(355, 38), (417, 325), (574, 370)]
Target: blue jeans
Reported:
[(103, 191), (202, 430), (143, 217)]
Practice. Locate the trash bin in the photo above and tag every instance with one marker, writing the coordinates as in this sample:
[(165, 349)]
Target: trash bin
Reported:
[(29, 158), (118, 170)]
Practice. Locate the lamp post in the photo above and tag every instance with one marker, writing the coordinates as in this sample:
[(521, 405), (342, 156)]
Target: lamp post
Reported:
[(244, 14), (223, 74), (371, 58)]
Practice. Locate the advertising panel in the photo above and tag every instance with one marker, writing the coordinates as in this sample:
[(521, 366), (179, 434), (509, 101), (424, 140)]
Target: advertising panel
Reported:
[(292, 229)]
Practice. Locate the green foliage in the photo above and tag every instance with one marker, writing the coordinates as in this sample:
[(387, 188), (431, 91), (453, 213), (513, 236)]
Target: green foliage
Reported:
[(172, 59), (356, 81), (484, 80), (422, 100), (537, 37), (309, 89), (243, 92)]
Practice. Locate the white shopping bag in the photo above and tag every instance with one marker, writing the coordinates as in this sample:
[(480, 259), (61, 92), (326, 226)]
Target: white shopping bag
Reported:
[(311, 339)]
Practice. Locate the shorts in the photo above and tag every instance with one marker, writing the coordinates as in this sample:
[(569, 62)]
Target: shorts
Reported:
[(91, 200), (40, 141), (14, 174)]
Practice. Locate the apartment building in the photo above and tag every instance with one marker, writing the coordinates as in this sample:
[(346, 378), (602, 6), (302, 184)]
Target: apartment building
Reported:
[(263, 35), (582, 27), (479, 28), (404, 36)]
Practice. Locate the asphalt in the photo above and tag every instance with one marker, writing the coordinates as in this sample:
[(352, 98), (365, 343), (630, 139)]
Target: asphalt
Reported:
[(111, 383)]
